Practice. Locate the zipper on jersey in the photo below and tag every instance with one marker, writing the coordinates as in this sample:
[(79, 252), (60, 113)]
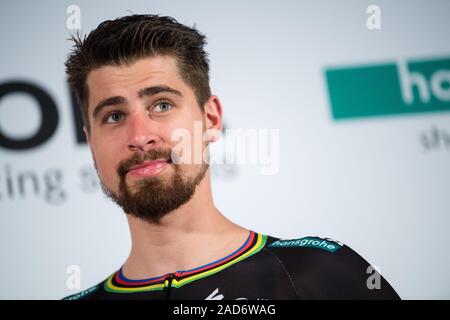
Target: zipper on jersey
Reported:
[(169, 280)]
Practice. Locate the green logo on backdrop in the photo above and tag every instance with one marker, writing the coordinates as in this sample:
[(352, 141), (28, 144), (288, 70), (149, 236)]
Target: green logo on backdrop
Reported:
[(389, 89)]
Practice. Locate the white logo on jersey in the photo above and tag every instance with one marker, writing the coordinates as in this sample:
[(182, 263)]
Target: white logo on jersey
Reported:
[(214, 296)]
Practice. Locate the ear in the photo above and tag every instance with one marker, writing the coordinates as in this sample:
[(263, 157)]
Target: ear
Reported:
[(213, 117)]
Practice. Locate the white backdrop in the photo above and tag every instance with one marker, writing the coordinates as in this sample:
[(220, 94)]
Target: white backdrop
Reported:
[(368, 182)]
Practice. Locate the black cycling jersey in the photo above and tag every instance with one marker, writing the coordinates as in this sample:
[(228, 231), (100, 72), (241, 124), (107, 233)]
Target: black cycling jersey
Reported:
[(263, 268)]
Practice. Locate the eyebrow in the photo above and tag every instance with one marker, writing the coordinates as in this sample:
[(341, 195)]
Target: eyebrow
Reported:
[(108, 102), (150, 91), (117, 100)]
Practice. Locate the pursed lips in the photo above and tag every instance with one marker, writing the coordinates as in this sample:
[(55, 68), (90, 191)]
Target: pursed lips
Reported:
[(150, 167)]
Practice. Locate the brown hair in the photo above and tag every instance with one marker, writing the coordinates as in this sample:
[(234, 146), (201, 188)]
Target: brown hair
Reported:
[(126, 39)]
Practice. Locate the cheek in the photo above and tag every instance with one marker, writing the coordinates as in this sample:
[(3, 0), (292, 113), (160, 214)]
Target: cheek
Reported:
[(189, 145), (106, 162), (183, 122)]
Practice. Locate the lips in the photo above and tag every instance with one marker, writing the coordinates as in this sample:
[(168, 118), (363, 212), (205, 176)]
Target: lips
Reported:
[(148, 168)]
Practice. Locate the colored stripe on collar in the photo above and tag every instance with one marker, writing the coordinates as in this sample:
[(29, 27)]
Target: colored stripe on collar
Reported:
[(117, 282)]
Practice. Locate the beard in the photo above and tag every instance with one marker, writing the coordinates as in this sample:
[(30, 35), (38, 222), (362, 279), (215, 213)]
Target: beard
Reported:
[(152, 198)]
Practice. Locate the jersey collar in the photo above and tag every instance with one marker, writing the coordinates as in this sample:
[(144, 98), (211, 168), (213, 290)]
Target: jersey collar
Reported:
[(117, 282)]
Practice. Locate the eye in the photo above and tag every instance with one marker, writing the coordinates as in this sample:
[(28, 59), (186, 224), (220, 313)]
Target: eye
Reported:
[(113, 117), (162, 106)]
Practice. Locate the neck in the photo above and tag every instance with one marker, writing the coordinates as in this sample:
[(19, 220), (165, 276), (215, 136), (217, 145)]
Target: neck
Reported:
[(195, 234)]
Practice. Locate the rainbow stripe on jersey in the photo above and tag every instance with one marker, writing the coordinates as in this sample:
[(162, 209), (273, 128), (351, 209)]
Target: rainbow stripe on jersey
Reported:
[(117, 282)]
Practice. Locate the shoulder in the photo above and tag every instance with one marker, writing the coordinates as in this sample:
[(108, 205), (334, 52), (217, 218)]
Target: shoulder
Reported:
[(324, 268), (91, 293)]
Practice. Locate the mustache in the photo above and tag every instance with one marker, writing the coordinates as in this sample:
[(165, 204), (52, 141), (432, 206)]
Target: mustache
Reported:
[(137, 158)]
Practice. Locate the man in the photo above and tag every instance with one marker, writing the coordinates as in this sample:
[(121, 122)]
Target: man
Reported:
[(142, 82)]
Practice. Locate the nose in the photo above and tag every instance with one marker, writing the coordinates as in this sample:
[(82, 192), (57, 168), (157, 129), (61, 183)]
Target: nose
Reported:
[(142, 133)]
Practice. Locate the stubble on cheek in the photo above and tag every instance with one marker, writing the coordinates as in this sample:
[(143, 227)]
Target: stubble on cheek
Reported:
[(109, 178)]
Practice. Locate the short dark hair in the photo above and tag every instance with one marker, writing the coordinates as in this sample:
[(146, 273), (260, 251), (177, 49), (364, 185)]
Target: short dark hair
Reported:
[(126, 39)]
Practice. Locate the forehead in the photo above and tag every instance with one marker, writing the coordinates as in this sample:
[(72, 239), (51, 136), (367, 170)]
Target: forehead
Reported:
[(122, 80)]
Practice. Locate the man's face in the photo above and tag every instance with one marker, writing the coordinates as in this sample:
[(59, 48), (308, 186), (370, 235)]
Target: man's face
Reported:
[(133, 111)]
